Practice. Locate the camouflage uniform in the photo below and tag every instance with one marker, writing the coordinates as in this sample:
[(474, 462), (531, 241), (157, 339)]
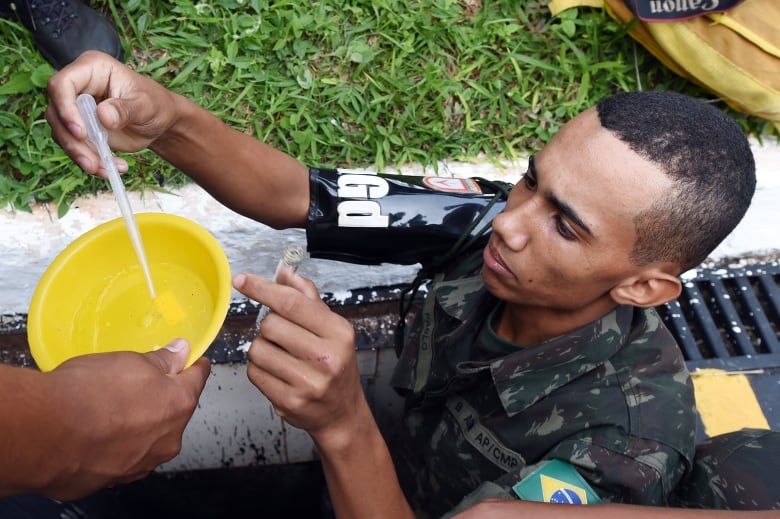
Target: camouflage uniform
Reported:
[(613, 398), (734, 471)]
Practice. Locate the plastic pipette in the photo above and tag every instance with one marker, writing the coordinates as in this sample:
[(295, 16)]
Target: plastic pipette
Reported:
[(99, 137)]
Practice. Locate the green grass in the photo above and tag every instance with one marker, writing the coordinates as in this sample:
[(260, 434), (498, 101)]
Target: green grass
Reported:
[(349, 83)]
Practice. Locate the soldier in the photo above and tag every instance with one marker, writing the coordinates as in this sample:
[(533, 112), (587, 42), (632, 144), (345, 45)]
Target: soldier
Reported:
[(537, 353)]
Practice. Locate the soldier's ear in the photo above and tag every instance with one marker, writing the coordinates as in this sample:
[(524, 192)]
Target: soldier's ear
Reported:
[(652, 286)]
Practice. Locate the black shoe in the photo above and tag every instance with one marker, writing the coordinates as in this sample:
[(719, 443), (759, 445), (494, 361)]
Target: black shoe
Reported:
[(63, 29)]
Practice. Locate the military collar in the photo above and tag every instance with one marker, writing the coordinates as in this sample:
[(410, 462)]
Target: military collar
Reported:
[(458, 297), (533, 372)]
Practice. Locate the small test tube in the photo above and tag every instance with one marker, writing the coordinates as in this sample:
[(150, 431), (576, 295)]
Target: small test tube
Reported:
[(291, 259)]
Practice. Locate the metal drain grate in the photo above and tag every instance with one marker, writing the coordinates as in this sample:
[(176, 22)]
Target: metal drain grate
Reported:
[(728, 313)]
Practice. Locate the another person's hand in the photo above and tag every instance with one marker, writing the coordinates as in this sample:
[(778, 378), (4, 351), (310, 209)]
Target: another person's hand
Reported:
[(117, 416), (304, 360), (133, 108)]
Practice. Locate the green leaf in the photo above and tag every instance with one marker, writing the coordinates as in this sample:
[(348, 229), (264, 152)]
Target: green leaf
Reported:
[(568, 27), (40, 76), (21, 83)]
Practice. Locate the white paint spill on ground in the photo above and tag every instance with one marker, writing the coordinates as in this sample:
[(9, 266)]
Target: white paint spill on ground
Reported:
[(30, 241)]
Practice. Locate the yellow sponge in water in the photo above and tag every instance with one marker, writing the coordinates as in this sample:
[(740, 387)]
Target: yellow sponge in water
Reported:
[(169, 308)]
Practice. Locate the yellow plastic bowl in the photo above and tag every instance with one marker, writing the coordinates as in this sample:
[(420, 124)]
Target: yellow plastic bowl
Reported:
[(94, 296)]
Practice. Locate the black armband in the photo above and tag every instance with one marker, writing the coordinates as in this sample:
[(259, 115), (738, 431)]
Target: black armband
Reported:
[(372, 219)]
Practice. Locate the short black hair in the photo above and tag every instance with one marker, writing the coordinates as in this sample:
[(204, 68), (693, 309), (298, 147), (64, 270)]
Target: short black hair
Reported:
[(706, 155)]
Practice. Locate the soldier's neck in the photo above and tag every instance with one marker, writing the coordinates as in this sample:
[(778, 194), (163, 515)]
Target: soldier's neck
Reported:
[(530, 325)]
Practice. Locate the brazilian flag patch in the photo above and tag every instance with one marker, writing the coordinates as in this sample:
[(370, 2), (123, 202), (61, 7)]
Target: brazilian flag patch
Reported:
[(556, 482)]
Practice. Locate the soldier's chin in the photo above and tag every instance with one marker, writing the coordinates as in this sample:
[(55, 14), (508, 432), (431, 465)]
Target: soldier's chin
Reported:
[(490, 280)]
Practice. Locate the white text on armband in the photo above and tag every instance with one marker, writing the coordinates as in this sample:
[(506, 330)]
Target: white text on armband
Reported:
[(481, 437), (364, 212)]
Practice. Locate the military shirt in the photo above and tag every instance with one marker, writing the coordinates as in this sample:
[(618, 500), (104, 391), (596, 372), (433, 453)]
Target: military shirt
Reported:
[(613, 398)]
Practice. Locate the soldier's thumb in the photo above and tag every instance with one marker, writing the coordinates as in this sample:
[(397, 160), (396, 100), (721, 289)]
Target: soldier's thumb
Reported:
[(111, 117), (117, 113)]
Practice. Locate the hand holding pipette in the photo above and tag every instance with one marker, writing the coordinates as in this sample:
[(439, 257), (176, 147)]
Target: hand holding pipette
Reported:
[(98, 135)]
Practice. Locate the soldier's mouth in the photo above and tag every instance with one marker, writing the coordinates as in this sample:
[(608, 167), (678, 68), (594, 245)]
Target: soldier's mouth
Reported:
[(493, 261)]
